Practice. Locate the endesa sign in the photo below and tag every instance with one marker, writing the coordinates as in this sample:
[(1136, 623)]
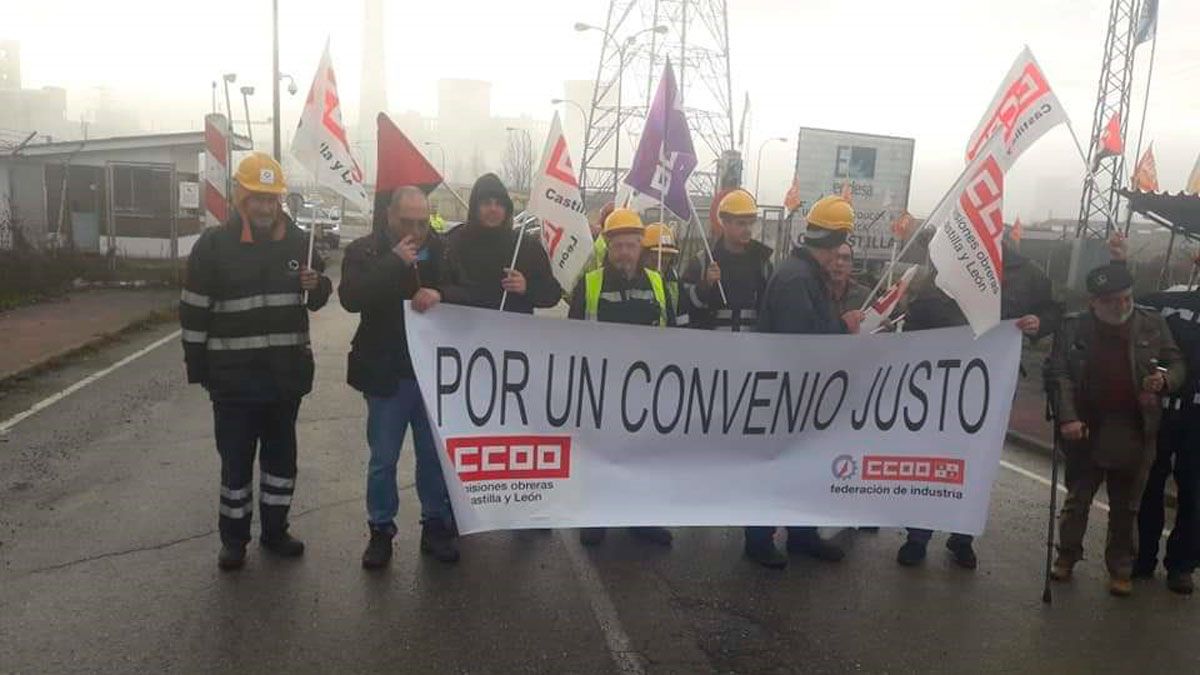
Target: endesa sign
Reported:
[(477, 458), (923, 469)]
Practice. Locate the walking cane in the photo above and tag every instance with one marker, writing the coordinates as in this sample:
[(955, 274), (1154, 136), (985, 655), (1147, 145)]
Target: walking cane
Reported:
[(1051, 388)]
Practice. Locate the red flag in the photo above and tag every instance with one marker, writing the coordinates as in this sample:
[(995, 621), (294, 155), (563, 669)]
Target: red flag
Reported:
[(1111, 143), (1017, 231), (399, 161), (1145, 175), (791, 201)]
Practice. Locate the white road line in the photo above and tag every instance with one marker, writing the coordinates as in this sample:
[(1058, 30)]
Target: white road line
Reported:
[(1045, 481), (13, 421), (619, 645)]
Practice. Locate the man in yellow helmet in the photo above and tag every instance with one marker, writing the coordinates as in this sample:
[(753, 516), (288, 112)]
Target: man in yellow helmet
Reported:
[(740, 267), (659, 253), (623, 291), (798, 300), (244, 313)]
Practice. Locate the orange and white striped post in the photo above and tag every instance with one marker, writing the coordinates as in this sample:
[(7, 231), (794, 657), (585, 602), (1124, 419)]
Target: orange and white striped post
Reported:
[(216, 170)]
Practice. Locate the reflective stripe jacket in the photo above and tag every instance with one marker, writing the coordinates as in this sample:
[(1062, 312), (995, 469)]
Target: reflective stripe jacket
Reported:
[(744, 277), (638, 301), (243, 315)]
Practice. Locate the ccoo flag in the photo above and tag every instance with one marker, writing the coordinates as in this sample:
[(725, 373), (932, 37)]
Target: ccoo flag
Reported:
[(1145, 174), (1023, 109), (556, 201), (320, 141), (665, 157)]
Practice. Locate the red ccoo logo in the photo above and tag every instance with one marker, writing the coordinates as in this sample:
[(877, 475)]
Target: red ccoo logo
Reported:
[(923, 469), (510, 457)]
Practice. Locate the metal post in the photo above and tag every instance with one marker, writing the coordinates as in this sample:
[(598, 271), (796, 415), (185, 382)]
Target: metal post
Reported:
[(617, 133), (1164, 278), (246, 104), (1137, 155), (276, 149)]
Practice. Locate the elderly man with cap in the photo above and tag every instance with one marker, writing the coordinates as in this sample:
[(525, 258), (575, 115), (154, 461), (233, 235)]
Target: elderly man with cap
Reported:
[(244, 313), (725, 293), (623, 291), (797, 299), (1108, 371)]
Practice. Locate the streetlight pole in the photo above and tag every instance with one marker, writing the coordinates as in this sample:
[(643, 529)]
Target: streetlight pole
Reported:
[(620, 47), (758, 164), (442, 152), (275, 141), (246, 93)]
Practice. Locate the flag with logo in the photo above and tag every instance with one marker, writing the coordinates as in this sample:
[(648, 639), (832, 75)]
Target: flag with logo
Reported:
[(1022, 111), (665, 157), (320, 141), (968, 226), (1111, 143), (556, 201), (1145, 174), (1147, 25), (882, 309)]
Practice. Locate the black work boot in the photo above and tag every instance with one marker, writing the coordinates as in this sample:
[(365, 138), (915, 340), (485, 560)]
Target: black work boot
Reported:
[(379, 550), (437, 540), (283, 545), (592, 536), (809, 543), (653, 535), (1143, 571), (911, 554), (231, 557), (1181, 583), (766, 554), (963, 552)]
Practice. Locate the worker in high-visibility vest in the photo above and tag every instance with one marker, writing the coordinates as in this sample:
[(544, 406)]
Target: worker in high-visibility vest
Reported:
[(659, 253), (623, 291)]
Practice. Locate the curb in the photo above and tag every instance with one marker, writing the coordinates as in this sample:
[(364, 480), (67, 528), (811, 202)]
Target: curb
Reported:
[(1034, 444), (51, 361)]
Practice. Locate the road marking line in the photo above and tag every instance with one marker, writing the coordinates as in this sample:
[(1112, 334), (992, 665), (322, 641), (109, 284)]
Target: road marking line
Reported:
[(620, 647), (13, 421)]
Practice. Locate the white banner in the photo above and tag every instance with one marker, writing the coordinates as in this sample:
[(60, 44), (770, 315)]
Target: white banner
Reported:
[(1022, 111), (966, 244), (555, 423), (556, 201), (320, 142)]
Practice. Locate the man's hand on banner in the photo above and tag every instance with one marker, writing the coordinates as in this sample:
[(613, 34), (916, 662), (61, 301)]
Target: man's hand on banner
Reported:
[(1118, 247), (853, 319), (712, 275), (407, 250), (1029, 324), (425, 299), (513, 282), (309, 279), (1073, 431)]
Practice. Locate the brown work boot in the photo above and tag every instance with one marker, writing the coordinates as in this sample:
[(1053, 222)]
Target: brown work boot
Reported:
[(1120, 587), (1062, 570)]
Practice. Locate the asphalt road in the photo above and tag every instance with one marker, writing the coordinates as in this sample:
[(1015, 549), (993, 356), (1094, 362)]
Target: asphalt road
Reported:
[(108, 545)]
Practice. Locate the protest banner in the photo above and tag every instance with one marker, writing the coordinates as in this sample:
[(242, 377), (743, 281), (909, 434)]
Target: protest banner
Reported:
[(550, 423)]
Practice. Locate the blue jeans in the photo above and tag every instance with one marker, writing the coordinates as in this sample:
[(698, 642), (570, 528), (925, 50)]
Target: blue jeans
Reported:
[(388, 419)]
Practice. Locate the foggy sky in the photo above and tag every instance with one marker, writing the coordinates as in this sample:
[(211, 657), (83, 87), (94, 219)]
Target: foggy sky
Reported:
[(919, 68)]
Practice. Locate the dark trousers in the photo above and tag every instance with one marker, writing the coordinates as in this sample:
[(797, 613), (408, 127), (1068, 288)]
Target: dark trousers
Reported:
[(1178, 455), (764, 536), (241, 429), (923, 537), (1084, 477)]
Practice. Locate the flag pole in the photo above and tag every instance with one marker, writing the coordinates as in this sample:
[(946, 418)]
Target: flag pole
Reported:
[(512, 266), (1137, 155), (708, 250)]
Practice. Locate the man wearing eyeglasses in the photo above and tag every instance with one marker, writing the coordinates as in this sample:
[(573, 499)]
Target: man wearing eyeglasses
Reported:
[(399, 261)]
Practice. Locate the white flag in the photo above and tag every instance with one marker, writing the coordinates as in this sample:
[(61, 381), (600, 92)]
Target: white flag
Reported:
[(1023, 109), (965, 247), (882, 308), (320, 141), (556, 201)]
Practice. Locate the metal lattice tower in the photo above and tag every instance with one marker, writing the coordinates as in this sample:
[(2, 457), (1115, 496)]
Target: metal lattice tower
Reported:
[(697, 43), (1099, 199)]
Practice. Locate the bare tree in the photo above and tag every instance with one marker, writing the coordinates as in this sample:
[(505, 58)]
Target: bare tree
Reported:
[(517, 169)]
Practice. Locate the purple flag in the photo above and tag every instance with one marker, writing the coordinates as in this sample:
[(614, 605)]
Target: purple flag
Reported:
[(665, 156)]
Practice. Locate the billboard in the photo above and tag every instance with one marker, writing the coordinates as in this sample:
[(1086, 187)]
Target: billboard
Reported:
[(878, 170)]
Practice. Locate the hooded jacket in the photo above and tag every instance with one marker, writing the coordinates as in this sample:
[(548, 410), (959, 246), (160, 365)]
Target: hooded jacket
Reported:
[(476, 256), (375, 283)]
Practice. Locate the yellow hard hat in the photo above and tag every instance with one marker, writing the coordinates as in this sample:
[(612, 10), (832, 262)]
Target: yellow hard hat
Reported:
[(622, 221), (831, 213), (259, 172), (659, 235), (738, 203)]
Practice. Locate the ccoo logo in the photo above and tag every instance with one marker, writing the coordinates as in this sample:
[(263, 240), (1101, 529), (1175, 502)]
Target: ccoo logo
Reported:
[(844, 467)]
